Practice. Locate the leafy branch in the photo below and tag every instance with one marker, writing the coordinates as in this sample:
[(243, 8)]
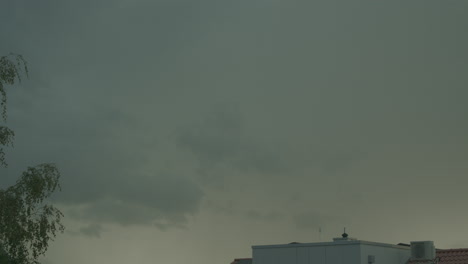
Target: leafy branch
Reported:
[(27, 223)]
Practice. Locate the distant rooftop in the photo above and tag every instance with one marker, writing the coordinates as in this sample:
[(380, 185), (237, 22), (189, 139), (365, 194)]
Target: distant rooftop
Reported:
[(242, 261), (344, 240), (447, 256)]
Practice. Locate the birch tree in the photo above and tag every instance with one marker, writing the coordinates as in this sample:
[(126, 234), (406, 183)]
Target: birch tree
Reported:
[(27, 221)]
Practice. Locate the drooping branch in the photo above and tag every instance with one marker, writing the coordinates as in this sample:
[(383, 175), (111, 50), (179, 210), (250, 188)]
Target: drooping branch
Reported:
[(10, 71), (6, 139), (11, 67), (27, 224)]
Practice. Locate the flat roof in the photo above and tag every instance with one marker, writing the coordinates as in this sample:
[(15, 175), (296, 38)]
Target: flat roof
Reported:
[(333, 243)]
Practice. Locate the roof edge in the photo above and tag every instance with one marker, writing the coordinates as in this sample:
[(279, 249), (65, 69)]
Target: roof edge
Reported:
[(334, 243)]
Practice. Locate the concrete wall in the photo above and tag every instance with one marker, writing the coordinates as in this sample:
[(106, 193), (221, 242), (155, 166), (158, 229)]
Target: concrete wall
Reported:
[(299, 254), (385, 254), (349, 252)]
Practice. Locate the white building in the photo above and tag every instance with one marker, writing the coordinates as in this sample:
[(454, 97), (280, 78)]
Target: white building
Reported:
[(343, 250)]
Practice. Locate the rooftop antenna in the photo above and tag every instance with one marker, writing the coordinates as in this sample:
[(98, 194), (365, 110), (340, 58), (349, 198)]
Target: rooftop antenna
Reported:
[(344, 235), (320, 234)]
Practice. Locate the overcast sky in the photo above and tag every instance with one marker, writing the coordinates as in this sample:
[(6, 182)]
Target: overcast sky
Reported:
[(187, 131)]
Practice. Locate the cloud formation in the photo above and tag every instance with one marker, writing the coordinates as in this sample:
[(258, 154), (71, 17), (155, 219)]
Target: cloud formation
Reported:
[(190, 116), (92, 230)]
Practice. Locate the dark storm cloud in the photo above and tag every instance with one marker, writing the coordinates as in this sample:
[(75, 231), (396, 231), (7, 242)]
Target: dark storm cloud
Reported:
[(264, 216), (322, 106), (313, 109), (94, 139), (92, 230), (222, 138), (314, 219), (158, 200)]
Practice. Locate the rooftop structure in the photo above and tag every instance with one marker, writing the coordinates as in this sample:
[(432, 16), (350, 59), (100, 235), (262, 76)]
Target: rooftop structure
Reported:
[(347, 250), (242, 261), (343, 250), (447, 256)]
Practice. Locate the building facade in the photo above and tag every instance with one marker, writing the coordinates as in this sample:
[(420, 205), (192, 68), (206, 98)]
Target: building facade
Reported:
[(345, 250), (341, 251)]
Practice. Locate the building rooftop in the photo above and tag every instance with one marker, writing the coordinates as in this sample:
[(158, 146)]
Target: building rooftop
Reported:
[(447, 256), (336, 241), (423, 252), (242, 261)]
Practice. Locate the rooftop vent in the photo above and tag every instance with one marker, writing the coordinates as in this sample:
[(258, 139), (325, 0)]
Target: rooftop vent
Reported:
[(344, 237), (422, 250)]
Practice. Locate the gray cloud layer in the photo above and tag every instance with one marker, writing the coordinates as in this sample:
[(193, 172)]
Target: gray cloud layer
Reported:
[(310, 111)]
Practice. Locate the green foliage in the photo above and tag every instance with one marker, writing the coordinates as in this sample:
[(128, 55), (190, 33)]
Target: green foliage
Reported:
[(10, 71), (4, 258), (27, 222), (6, 138)]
